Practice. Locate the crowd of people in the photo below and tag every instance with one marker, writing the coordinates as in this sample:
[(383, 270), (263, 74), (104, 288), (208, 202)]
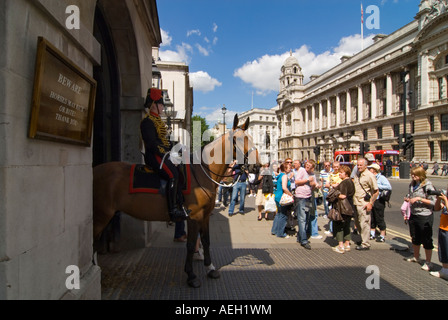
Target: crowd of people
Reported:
[(359, 196)]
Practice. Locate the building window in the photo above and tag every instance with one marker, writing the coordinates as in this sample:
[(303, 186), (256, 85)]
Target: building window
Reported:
[(365, 134), (396, 130), (379, 132), (444, 150), (444, 121), (412, 126), (431, 150), (431, 123), (441, 88)]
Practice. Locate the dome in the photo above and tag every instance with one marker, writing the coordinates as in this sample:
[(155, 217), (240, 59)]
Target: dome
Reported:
[(291, 62)]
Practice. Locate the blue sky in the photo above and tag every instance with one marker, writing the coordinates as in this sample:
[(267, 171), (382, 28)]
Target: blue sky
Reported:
[(235, 48)]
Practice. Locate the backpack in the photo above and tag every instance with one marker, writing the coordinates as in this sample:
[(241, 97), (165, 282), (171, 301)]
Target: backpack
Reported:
[(268, 186)]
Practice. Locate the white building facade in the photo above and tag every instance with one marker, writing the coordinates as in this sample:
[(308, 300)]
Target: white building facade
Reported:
[(175, 80), (362, 99), (263, 129)]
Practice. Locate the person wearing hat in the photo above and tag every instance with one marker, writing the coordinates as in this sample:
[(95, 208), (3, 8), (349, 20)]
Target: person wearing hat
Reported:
[(377, 219), (155, 137), (366, 192), (370, 159)]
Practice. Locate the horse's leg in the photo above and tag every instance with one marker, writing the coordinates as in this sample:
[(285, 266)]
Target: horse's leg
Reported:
[(205, 239), (193, 231)]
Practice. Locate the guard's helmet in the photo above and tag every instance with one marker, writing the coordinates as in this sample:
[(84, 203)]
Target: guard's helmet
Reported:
[(154, 95)]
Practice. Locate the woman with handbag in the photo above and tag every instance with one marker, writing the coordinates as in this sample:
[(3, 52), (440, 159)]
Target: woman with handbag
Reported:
[(283, 188), (422, 201), (341, 228)]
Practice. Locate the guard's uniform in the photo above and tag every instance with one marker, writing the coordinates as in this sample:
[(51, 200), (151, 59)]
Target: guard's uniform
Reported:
[(155, 137), (154, 134)]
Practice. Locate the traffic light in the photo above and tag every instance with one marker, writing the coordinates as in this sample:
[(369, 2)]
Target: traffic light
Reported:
[(366, 147), (409, 141), (400, 141), (361, 149), (317, 151)]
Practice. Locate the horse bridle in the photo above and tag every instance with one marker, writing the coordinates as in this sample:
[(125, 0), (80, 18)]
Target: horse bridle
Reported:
[(236, 149)]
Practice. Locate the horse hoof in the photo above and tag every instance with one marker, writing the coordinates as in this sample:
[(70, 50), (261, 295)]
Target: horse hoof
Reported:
[(214, 274), (194, 283)]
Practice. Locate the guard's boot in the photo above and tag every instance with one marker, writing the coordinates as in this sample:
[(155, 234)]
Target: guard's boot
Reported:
[(175, 213)]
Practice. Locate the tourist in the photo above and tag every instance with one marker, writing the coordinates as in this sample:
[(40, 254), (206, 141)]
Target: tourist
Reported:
[(435, 169), (422, 216), (442, 204), (305, 183), (265, 187), (341, 229), (325, 182), (377, 219), (283, 186), (366, 192), (240, 186)]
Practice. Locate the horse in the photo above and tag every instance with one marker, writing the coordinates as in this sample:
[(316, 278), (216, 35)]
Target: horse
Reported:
[(111, 194)]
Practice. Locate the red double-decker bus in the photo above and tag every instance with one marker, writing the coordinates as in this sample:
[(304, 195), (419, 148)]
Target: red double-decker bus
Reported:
[(349, 158)]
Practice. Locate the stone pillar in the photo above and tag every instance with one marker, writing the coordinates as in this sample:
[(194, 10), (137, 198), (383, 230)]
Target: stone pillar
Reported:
[(360, 104), (389, 95), (425, 80), (306, 120), (321, 116), (328, 113), (348, 108), (374, 109), (313, 118), (338, 110)]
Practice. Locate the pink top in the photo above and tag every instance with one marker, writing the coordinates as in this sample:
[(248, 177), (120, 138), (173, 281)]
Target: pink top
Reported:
[(305, 190)]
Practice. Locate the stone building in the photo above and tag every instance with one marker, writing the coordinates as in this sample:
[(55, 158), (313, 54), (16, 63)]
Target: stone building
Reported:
[(46, 186), (264, 131), (363, 98), (175, 80)]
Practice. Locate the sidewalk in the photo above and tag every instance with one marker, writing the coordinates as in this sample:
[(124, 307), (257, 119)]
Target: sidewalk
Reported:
[(255, 265)]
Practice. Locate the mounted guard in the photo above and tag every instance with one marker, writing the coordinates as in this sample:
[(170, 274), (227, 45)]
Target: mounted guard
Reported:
[(157, 149)]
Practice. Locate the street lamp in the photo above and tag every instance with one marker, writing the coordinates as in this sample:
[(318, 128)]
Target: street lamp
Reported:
[(156, 76), (224, 111), (168, 107)]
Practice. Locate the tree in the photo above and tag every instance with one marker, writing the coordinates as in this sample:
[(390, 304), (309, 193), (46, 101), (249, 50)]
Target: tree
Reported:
[(204, 127)]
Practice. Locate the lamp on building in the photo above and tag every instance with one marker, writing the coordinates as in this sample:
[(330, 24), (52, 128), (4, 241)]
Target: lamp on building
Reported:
[(156, 76), (168, 108), (224, 111)]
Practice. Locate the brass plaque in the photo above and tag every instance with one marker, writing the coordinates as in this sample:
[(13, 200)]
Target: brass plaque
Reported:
[(63, 99)]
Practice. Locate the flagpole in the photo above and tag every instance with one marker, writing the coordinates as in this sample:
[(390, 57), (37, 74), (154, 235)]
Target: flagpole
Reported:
[(362, 28)]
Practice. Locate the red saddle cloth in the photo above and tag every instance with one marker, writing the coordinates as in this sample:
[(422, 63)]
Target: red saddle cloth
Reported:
[(144, 180)]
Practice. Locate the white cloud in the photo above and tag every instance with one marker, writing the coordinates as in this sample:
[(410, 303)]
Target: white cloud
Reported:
[(192, 32), (214, 115), (202, 50), (166, 38), (181, 55), (203, 82), (215, 27), (263, 74)]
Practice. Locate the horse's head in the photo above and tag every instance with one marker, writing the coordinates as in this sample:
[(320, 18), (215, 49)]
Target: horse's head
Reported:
[(244, 149)]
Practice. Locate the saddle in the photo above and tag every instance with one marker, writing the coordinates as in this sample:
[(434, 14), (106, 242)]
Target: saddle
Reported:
[(143, 179)]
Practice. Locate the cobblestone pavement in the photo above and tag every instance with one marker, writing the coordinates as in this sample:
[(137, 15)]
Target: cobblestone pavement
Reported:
[(255, 265)]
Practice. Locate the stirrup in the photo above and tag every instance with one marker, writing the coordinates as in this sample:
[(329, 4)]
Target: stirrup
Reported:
[(178, 215)]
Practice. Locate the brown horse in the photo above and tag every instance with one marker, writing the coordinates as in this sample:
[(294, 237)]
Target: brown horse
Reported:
[(111, 194)]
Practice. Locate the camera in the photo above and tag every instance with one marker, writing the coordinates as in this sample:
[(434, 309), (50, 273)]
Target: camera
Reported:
[(436, 192), (367, 197)]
